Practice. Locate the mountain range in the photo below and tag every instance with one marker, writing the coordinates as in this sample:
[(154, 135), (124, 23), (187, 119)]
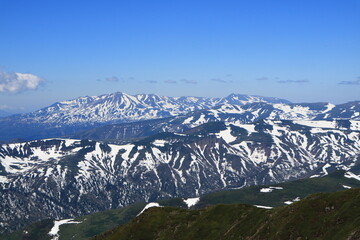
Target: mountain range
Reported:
[(236, 114), (72, 116), (86, 112), (96, 153), (62, 178)]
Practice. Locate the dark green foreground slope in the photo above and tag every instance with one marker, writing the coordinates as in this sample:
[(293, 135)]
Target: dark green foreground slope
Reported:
[(319, 216), (97, 223)]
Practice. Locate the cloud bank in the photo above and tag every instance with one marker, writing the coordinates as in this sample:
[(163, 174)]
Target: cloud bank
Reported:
[(152, 81), (170, 81), (294, 81), (189, 81), (262, 79), (18, 82), (112, 79), (354, 82), (220, 80)]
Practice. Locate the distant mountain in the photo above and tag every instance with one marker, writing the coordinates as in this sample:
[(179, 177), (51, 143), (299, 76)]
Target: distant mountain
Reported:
[(87, 112), (4, 113), (84, 113), (236, 114), (350, 110), (65, 178)]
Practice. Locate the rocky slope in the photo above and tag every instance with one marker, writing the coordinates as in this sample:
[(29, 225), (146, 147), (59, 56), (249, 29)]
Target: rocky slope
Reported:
[(62, 178)]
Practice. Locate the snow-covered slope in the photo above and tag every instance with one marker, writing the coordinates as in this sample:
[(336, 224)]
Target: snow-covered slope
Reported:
[(124, 107), (350, 110), (252, 112), (235, 114), (68, 117), (87, 112), (63, 178)]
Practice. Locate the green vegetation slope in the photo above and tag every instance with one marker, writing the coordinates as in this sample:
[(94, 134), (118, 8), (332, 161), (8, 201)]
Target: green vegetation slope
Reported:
[(319, 216)]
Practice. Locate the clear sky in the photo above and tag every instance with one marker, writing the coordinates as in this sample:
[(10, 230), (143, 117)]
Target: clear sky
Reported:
[(301, 50)]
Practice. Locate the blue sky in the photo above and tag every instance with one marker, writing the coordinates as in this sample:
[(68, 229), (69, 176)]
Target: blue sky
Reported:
[(301, 50)]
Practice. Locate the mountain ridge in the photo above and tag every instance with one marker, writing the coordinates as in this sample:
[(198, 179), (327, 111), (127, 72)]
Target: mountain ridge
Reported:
[(328, 216), (84, 113), (281, 194), (87, 112), (73, 177)]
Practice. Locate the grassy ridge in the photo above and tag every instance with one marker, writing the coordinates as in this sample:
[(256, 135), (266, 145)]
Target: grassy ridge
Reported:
[(90, 225), (319, 216), (299, 188), (97, 223)]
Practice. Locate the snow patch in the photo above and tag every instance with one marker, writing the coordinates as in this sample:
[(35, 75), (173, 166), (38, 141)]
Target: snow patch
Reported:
[(270, 189), (188, 120), (191, 201), (347, 187), (329, 107), (199, 121), (149, 205), (325, 167), (55, 229), (127, 149), (159, 143), (292, 201), (214, 112), (226, 135), (3, 179), (265, 207), (250, 128), (355, 125), (352, 175)]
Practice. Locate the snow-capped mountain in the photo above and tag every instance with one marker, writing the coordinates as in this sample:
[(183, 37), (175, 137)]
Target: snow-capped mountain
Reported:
[(236, 114), (122, 107), (62, 178), (350, 110), (252, 112), (68, 117), (87, 112)]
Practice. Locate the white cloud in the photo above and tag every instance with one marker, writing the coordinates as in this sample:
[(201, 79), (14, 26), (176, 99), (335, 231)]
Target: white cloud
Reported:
[(18, 82)]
